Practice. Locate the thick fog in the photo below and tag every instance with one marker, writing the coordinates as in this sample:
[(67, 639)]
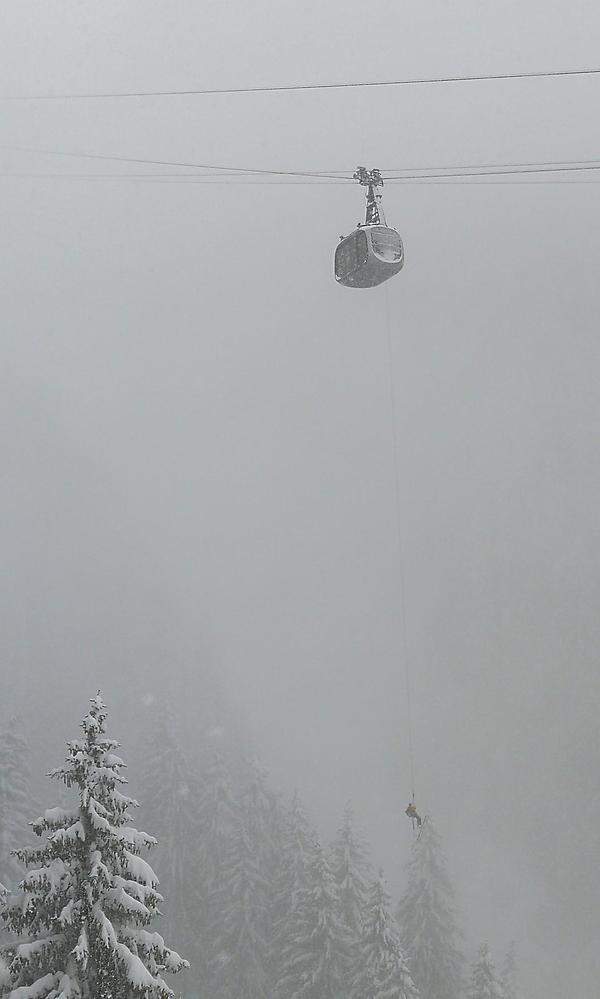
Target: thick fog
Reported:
[(197, 439)]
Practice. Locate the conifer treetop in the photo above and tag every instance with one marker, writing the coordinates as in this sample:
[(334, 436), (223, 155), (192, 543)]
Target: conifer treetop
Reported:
[(351, 870), (88, 899), (218, 809), (380, 971), (429, 931), (484, 983), (170, 793), (509, 976), (290, 880), (315, 961), (239, 942), (298, 849)]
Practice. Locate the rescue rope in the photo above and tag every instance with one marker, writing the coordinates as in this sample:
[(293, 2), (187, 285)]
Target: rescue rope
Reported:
[(400, 544)]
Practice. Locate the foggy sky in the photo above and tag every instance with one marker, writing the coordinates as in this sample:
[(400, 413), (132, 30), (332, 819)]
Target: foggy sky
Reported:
[(196, 433)]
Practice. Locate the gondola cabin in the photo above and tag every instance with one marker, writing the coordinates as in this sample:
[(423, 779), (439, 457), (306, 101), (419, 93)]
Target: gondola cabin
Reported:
[(368, 256), (374, 251)]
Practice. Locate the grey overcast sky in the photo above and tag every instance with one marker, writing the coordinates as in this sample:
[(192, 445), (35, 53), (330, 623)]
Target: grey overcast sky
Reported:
[(196, 423)]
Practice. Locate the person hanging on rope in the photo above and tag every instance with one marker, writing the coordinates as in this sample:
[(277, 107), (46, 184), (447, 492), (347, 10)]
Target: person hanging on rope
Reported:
[(412, 813)]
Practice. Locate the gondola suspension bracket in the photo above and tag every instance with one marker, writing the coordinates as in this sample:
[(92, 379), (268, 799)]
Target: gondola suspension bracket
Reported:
[(371, 179)]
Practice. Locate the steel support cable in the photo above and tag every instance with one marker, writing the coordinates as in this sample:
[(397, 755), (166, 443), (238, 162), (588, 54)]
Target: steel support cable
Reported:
[(173, 163), (435, 181), (400, 543), (306, 87), (402, 174), (541, 168), (174, 180), (389, 172)]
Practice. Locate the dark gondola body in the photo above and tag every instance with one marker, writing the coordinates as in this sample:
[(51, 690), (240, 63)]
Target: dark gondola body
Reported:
[(368, 256)]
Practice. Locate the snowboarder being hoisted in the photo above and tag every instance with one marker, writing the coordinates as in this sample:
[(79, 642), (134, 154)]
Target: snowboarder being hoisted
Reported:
[(412, 813)]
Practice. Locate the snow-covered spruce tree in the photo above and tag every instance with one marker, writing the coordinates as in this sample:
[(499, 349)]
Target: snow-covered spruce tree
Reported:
[(290, 880), (317, 954), (484, 982), (429, 933), (217, 816), (86, 904), (379, 968), (352, 871), (170, 806), (15, 799), (262, 810), (510, 974), (242, 901), (298, 839), (240, 918)]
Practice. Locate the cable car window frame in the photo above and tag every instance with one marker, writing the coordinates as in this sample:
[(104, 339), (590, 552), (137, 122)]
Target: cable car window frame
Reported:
[(389, 240)]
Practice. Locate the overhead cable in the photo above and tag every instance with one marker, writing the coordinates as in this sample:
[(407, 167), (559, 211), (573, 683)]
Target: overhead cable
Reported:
[(342, 176), (174, 180), (172, 163), (287, 88)]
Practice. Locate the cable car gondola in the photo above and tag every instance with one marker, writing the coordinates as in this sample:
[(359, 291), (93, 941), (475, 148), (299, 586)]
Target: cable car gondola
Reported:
[(374, 251)]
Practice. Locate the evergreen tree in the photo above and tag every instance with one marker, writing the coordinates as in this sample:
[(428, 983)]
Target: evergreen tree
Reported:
[(262, 815), (316, 958), (218, 807), (290, 880), (170, 796), (242, 902), (427, 918), (298, 840), (240, 914), (87, 903), (380, 971), (218, 812), (484, 983), (509, 976), (15, 800), (351, 870)]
